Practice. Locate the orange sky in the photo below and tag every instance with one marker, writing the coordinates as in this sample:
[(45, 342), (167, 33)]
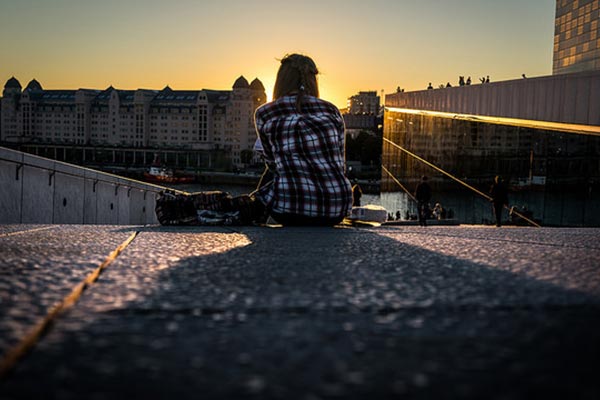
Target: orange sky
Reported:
[(358, 45)]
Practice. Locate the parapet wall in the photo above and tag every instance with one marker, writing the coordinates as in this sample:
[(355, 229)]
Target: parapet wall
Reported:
[(568, 98), (38, 190)]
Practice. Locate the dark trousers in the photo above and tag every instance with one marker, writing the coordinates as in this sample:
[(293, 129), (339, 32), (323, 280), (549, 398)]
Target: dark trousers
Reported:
[(423, 210)]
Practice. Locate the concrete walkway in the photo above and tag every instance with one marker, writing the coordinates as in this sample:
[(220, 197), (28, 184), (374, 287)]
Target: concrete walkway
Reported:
[(449, 312)]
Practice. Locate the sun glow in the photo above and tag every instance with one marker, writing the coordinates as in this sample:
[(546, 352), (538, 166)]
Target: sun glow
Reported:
[(269, 85)]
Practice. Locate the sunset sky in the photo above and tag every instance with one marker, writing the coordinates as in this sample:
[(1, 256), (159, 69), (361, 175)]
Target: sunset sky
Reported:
[(194, 44)]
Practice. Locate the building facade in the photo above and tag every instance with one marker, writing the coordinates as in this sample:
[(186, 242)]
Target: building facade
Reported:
[(357, 123), (165, 119), (576, 36), (542, 135), (364, 103)]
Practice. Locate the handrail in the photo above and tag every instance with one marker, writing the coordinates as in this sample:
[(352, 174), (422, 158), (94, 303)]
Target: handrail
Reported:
[(487, 197), (151, 187), (410, 195)]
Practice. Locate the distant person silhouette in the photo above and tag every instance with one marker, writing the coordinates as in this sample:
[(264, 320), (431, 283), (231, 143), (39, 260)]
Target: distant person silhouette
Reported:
[(438, 211), (499, 195), (423, 195)]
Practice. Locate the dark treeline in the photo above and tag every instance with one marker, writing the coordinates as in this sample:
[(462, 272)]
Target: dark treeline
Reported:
[(366, 148)]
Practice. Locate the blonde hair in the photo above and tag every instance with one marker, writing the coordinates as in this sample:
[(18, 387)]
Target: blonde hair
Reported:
[(297, 74)]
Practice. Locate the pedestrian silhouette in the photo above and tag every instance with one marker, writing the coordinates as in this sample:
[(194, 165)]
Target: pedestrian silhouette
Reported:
[(499, 195), (423, 195)]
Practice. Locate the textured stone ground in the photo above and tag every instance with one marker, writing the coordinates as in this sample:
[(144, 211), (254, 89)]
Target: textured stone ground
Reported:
[(305, 313)]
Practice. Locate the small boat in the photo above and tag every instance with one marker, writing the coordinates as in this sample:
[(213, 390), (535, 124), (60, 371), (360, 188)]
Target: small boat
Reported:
[(163, 175), (532, 182)]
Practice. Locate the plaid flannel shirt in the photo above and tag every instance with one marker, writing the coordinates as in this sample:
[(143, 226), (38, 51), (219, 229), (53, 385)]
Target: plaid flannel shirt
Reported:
[(305, 151)]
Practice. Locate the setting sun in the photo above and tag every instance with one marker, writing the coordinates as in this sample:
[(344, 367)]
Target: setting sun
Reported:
[(379, 45)]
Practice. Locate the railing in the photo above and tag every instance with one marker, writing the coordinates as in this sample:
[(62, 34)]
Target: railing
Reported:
[(449, 175), (41, 191)]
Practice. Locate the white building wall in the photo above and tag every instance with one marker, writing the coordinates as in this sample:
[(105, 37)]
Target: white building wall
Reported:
[(9, 118), (568, 98), (133, 119)]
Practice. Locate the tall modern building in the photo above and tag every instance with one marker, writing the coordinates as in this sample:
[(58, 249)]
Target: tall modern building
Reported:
[(167, 119), (576, 36)]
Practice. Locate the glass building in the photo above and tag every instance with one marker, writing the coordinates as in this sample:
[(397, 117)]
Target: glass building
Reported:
[(576, 36), (552, 169)]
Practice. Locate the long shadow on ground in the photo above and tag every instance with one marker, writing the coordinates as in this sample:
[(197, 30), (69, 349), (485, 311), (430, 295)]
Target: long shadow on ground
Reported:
[(308, 314)]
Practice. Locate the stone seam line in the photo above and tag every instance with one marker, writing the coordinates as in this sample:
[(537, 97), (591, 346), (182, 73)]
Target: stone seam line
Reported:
[(28, 342)]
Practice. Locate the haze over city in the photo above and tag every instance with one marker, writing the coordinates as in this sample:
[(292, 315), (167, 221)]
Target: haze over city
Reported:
[(358, 45)]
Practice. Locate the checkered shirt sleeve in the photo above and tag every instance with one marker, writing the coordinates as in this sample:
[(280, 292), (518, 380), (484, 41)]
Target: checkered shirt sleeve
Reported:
[(307, 152)]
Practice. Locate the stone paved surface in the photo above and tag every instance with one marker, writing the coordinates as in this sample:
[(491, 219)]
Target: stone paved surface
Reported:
[(40, 264), (306, 313)]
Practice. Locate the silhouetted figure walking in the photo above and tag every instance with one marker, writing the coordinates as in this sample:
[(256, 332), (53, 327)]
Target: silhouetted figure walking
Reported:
[(499, 195), (423, 195)]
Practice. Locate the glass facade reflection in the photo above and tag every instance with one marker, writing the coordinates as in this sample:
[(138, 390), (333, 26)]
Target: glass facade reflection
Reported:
[(553, 171), (576, 36)]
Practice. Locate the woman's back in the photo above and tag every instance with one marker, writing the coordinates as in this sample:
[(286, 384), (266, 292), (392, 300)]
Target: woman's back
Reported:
[(306, 150)]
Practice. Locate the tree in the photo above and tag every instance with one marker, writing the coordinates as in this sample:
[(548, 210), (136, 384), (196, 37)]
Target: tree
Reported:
[(370, 149), (352, 149), (246, 156)]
